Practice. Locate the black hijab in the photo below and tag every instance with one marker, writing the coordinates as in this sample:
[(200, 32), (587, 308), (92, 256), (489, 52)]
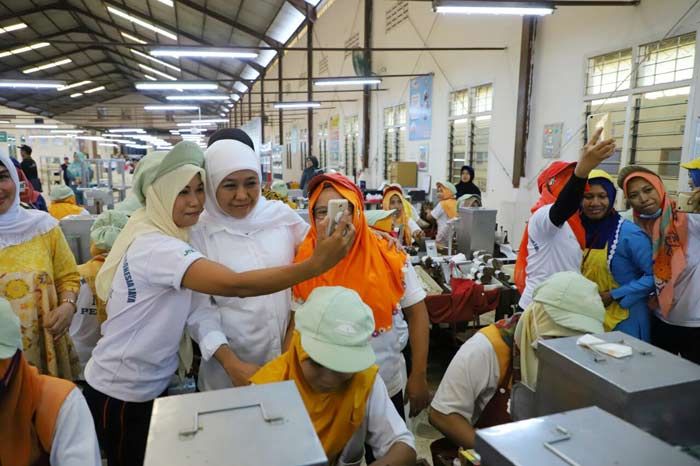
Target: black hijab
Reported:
[(235, 134), (469, 187)]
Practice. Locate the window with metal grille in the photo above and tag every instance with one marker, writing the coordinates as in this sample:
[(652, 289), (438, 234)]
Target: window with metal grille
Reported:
[(352, 42), (352, 134), (609, 72), (666, 61), (394, 135), (396, 13), (657, 107), (469, 132)]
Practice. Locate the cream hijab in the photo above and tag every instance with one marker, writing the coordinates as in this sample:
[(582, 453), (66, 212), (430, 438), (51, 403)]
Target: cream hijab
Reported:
[(159, 183)]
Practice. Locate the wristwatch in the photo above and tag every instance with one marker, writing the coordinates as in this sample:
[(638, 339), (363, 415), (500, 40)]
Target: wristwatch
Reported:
[(71, 301)]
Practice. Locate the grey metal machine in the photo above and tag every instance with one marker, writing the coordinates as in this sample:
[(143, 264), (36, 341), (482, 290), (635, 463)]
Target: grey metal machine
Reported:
[(476, 230), (584, 437), (76, 229), (652, 389), (246, 426)]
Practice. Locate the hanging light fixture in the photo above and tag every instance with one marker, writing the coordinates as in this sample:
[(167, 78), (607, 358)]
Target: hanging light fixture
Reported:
[(473, 7), (213, 52), (359, 81), (288, 105)]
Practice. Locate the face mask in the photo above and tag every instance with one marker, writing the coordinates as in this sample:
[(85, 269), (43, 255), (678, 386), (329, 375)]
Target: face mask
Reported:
[(656, 214), (7, 377)]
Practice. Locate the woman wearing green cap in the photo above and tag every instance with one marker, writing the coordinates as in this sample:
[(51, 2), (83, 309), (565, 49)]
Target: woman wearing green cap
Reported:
[(468, 397), (445, 210), (148, 279), (92, 311), (63, 203), (43, 420), (332, 363)]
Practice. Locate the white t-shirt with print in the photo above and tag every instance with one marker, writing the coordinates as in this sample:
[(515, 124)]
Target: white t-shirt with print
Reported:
[(387, 346), (147, 311), (551, 249), (470, 381), (84, 329)]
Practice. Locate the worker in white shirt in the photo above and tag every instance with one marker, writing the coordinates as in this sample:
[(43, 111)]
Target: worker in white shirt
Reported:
[(554, 237), (43, 419), (331, 361), (476, 387)]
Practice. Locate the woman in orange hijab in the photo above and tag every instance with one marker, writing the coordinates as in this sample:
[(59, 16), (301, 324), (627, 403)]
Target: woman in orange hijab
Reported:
[(403, 213), (675, 238), (63, 203), (385, 282), (445, 211)]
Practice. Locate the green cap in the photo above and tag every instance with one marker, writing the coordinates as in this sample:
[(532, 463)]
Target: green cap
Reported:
[(106, 228), (336, 327), (280, 187), (572, 301), (155, 165), (451, 187), (377, 215), (10, 333), (60, 192)]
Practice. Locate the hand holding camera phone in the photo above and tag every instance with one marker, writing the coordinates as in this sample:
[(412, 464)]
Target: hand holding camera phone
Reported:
[(336, 210), (599, 120)]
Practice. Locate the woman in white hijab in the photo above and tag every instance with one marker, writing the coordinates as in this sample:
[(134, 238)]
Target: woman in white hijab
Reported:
[(243, 231)]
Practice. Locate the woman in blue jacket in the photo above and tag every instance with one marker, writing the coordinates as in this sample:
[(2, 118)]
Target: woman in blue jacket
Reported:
[(618, 257)]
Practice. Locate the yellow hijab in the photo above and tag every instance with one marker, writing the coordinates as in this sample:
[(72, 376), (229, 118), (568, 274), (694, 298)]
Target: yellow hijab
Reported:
[(336, 416), (160, 184)]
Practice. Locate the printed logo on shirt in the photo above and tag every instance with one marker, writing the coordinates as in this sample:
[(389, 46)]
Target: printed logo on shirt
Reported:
[(535, 246), (130, 286), (189, 251)]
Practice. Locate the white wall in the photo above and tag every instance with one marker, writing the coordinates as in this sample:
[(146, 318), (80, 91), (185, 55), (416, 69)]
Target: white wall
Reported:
[(564, 42)]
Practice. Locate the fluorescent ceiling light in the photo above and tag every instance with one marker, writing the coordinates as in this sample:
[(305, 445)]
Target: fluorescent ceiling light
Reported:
[(235, 97), (149, 77), (175, 132), (106, 144), (141, 23), (284, 105), (193, 124), (95, 89), (471, 7), (138, 146), (132, 38), (32, 84), (167, 2), (67, 131), (169, 108), (47, 66), (346, 81), (180, 52), (71, 86), (240, 87), (17, 51), (77, 94), (12, 27), (155, 60), (36, 126), (51, 136), (222, 114), (180, 85), (226, 110), (230, 105), (127, 130), (4, 122), (197, 97), (159, 73), (211, 120)]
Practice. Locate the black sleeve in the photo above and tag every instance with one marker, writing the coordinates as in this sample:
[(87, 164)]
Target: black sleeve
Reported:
[(568, 202)]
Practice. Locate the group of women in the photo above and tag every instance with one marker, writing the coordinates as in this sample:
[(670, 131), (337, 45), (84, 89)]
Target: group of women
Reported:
[(644, 267), (167, 257)]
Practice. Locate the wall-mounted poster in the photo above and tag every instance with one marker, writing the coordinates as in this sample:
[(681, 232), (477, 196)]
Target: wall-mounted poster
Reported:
[(334, 141), (551, 146), (423, 154), (420, 107)]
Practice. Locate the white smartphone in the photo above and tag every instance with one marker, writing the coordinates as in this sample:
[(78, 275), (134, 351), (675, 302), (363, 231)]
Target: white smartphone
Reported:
[(599, 120), (336, 209)]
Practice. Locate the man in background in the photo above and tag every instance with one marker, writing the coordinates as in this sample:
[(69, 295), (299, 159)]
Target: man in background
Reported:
[(29, 167)]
